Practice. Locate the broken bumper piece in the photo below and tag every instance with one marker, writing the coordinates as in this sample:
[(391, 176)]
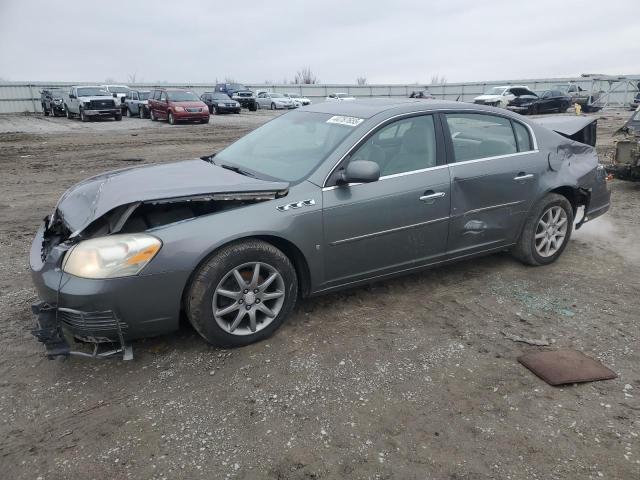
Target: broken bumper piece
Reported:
[(52, 323)]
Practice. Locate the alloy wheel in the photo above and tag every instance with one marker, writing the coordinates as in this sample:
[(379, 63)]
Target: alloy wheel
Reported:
[(551, 231), (248, 298)]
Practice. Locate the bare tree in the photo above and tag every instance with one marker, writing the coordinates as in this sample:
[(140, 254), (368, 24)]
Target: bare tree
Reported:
[(438, 79), (132, 77), (306, 77), (109, 81), (229, 80), (361, 80)]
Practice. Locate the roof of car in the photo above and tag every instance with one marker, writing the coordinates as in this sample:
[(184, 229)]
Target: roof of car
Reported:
[(368, 107)]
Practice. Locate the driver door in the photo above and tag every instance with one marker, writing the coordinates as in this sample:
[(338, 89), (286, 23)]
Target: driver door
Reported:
[(396, 223)]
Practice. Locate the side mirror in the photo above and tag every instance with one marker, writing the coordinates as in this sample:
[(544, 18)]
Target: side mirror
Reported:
[(360, 171), (71, 95)]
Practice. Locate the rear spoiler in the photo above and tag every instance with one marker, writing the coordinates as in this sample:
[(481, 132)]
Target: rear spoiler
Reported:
[(580, 129)]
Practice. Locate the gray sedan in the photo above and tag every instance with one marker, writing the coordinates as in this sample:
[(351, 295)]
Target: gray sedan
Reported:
[(274, 101), (326, 197)]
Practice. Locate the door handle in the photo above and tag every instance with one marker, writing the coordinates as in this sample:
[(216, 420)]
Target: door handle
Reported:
[(431, 197), (523, 176)]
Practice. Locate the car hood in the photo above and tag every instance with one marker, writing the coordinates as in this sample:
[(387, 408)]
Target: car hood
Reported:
[(488, 97), (190, 104), (92, 198), (95, 97)]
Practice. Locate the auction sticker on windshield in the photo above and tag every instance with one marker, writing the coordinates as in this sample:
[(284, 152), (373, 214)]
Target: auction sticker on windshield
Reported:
[(348, 121)]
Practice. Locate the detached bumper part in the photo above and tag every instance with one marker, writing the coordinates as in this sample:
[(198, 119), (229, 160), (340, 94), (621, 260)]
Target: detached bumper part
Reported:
[(48, 330), (50, 321)]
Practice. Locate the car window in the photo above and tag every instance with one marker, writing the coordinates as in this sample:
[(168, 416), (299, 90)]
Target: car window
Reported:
[(163, 97), (477, 135), (402, 146), (523, 137)]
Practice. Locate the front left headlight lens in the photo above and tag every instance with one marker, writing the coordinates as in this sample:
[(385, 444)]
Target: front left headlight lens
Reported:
[(113, 256)]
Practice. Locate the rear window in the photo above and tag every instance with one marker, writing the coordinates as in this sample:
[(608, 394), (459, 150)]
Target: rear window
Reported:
[(523, 137), (476, 136)]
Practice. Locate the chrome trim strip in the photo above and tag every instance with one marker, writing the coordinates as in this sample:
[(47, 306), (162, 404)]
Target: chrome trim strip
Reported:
[(384, 232), (484, 159), (385, 177), (431, 111), (484, 209)]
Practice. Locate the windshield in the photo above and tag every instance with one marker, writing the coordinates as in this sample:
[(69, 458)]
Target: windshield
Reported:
[(56, 92), (237, 86), (144, 95), (114, 89), (220, 96), (341, 95), (276, 95), (178, 96), (287, 148), (495, 91), (93, 92)]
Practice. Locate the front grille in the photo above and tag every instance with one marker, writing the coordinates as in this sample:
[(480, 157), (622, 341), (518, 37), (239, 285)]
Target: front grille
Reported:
[(98, 104), (479, 102), (194, 110), (95, 324)]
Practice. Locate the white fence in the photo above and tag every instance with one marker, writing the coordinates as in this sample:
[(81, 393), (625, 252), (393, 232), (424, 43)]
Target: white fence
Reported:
[(18, 97)]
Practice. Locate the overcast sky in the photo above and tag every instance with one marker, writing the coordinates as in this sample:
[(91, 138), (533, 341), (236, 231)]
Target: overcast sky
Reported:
[(256, 41)]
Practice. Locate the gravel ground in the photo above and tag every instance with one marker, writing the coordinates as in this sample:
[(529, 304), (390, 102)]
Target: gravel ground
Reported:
[(405, 379)]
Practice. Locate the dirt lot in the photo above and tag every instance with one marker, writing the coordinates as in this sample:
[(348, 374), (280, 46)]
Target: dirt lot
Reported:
[(410, 378)]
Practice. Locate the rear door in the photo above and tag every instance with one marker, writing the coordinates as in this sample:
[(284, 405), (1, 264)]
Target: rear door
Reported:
[(494, 172), (163, 104), (401, 220)]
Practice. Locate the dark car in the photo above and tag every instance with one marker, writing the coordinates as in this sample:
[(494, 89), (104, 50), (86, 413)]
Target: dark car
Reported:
[(52, 101), (635, 102), (177, 105), (325, 197), (241, 94), (540, 101), (424, 94), (219, 102)]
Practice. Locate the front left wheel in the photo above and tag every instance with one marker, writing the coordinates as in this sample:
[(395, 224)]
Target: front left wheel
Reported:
[(242, 293)]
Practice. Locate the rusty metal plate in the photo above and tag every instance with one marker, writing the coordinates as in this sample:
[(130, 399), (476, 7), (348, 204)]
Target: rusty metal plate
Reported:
[(558, 367)]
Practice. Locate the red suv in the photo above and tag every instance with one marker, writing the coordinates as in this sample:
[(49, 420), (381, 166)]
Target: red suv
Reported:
[(175, 105)]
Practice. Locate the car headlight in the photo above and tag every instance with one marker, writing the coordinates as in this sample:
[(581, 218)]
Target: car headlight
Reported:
[(179, 109), (86, 104), (113, 256)]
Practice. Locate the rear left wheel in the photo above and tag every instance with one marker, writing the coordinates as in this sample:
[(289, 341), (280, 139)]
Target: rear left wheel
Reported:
[(242, 294), (170, 119), (546, 231)]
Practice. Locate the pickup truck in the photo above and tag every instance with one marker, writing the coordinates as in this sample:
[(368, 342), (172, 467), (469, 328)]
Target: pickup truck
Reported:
[(240, 94), (52, 100), (91, 101), (120, 93)]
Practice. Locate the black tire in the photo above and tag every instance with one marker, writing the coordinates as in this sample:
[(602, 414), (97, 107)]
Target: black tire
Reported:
[(216, 111), (237, 111), (117, 117), (153, 116), (83, 117), (525, 249), (198, 300), (257, 106), (44, 110), (273, 106), (141, 111), (171, 119), (534, 110), (67, 112), (129, 114), (253, 108)]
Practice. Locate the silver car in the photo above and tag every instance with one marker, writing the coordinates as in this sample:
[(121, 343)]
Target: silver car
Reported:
[(322, 198), (274, 101)]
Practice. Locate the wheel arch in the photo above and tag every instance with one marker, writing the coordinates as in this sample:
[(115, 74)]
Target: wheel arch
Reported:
[(293, 253)]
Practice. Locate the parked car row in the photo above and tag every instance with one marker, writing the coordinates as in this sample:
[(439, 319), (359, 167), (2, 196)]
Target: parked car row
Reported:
[(171, 104)]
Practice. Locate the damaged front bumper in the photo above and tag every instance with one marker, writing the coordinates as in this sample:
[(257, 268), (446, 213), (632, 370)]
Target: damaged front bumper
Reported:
[(99, 311)]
